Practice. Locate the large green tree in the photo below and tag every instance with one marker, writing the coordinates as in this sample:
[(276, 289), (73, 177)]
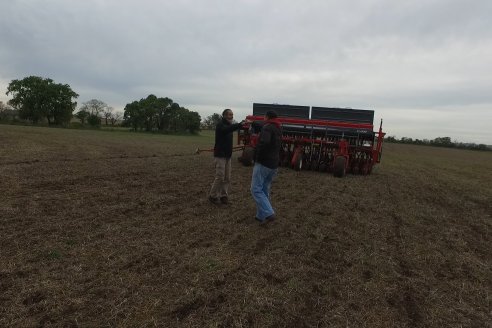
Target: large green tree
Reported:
[(38, 98), (160, 114), (133, 116), (191, 121)]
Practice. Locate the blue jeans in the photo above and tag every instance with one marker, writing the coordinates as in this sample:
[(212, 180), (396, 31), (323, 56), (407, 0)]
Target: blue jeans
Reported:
[(260, 189)]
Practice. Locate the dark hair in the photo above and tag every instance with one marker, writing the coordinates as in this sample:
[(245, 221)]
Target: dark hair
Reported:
[(271, 114), (226, 110)]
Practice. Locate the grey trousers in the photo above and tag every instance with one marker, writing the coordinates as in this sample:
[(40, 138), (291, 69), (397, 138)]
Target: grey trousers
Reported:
[(220, 186)]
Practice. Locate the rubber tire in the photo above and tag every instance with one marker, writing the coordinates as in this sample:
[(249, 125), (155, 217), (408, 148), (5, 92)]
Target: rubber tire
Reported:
[(339, 166)]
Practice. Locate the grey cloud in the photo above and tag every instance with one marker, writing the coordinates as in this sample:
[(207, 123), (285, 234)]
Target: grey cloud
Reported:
[(380, 54)]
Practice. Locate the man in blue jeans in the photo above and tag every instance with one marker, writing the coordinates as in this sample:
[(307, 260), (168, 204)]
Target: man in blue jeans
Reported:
[(267, 154)]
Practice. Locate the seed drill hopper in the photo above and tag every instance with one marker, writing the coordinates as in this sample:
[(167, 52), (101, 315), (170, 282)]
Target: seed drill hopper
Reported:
[(335, 140)]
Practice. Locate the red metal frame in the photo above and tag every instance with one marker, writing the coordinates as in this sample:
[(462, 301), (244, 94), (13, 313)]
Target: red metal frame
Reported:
[(359, 157), (315, 122)]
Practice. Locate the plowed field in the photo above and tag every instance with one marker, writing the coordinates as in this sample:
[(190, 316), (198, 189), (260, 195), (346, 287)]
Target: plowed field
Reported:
[(114, 229)]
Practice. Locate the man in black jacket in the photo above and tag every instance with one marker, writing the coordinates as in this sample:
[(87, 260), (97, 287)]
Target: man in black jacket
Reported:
[(267, 154), (219, 193)]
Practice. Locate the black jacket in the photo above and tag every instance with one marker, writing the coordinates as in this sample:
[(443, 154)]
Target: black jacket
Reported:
[(267, 151), (223, 138)]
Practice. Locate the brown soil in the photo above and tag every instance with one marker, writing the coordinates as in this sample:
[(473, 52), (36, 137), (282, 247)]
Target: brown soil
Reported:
[(114, 229)]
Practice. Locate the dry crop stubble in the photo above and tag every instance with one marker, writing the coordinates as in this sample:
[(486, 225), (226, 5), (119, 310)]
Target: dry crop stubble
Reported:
[(114, 228)]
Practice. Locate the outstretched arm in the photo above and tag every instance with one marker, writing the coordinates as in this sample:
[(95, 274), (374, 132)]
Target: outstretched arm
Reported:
[(229, 128)]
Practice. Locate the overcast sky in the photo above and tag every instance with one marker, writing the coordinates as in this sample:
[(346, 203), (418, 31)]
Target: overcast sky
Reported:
[(424, 66)]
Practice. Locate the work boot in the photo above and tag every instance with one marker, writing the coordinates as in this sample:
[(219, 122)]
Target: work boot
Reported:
[(267, 220), (214, 200), (224, 200)]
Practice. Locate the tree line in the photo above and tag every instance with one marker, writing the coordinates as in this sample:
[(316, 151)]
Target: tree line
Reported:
[(39, 100), (36, 99), (438, 142)]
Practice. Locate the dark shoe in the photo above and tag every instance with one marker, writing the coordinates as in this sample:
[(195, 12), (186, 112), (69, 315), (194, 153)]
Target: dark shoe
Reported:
[(214, 200), (268, 219), (224, 200)]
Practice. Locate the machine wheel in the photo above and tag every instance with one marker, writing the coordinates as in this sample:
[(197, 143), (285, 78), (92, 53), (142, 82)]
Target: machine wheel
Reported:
[(247, 158), (339, 166)]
